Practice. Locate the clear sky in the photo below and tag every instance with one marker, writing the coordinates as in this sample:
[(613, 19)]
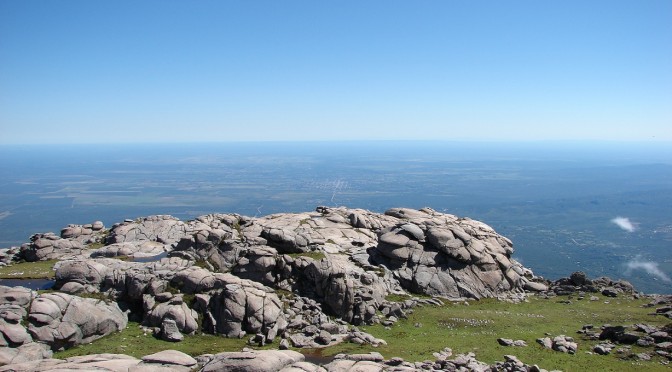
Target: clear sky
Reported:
[(155, 71)]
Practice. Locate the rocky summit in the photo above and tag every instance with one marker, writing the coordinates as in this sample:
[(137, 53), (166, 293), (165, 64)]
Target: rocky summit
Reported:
[(295, 279)]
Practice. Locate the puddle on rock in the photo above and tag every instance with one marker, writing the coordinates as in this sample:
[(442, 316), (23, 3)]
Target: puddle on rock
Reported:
[(158, 257), (34, 284)]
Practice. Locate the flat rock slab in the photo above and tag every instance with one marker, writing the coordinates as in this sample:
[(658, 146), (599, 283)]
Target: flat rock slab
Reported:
[(253, 361), (170, 357)]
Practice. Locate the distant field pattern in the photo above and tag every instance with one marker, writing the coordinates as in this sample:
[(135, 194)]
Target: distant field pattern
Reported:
[(557, 204)]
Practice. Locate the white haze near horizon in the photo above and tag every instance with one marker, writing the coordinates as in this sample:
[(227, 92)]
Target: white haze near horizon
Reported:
[(637, 263), (625, 224), (649, 267)]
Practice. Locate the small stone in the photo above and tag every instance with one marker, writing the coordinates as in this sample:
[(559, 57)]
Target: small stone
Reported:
[(602, 349), (505, 341), (643, 356), (170, 332)]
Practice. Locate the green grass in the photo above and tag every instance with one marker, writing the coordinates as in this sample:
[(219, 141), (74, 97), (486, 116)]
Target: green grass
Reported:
[(95, 245), (239, 229), (397, 297), (393, 297), (315, 255), (100, 296), (475, 328), (134, 342), (29, 270)]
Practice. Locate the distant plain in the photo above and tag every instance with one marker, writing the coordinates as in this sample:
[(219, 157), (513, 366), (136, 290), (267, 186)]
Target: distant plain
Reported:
[(556, 201)]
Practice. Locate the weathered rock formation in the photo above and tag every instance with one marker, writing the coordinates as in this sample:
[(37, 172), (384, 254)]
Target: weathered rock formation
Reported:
[(347, 260), (58, 320), (50, 246), (162, 229), (223, 272), (365, 256)]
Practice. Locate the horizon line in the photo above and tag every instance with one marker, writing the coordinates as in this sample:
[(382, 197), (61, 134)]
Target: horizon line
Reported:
[(309, 141)]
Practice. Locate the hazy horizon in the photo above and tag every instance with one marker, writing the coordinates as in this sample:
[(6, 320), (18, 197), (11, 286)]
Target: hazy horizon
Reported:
[(600, 209)]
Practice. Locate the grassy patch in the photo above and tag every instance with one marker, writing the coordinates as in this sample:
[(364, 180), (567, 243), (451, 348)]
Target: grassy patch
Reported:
[(100, 296), (202, 264), (475, 328), (315, 255), (239, 229), (29, 270), (95, 245), (284, 293), (133, 341), (393, 297)]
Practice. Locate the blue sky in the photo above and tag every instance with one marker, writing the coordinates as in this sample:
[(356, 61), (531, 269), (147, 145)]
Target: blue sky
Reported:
[(157, 71)]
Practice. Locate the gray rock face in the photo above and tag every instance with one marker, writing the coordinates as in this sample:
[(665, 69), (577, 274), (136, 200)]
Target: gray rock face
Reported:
[(162, 229), (56, 319), (439, 254), (87, 234), (87, 272), (166, 307), (253, 361), (261, 264), (232, 306), (422, 251), (14, 304), (170, 359), (170, 332), (49, 247), (131, 249), (61, 320), (228, 304), (31, 351), (164, 361), (222, 271), (15, 296), (344, 289)]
